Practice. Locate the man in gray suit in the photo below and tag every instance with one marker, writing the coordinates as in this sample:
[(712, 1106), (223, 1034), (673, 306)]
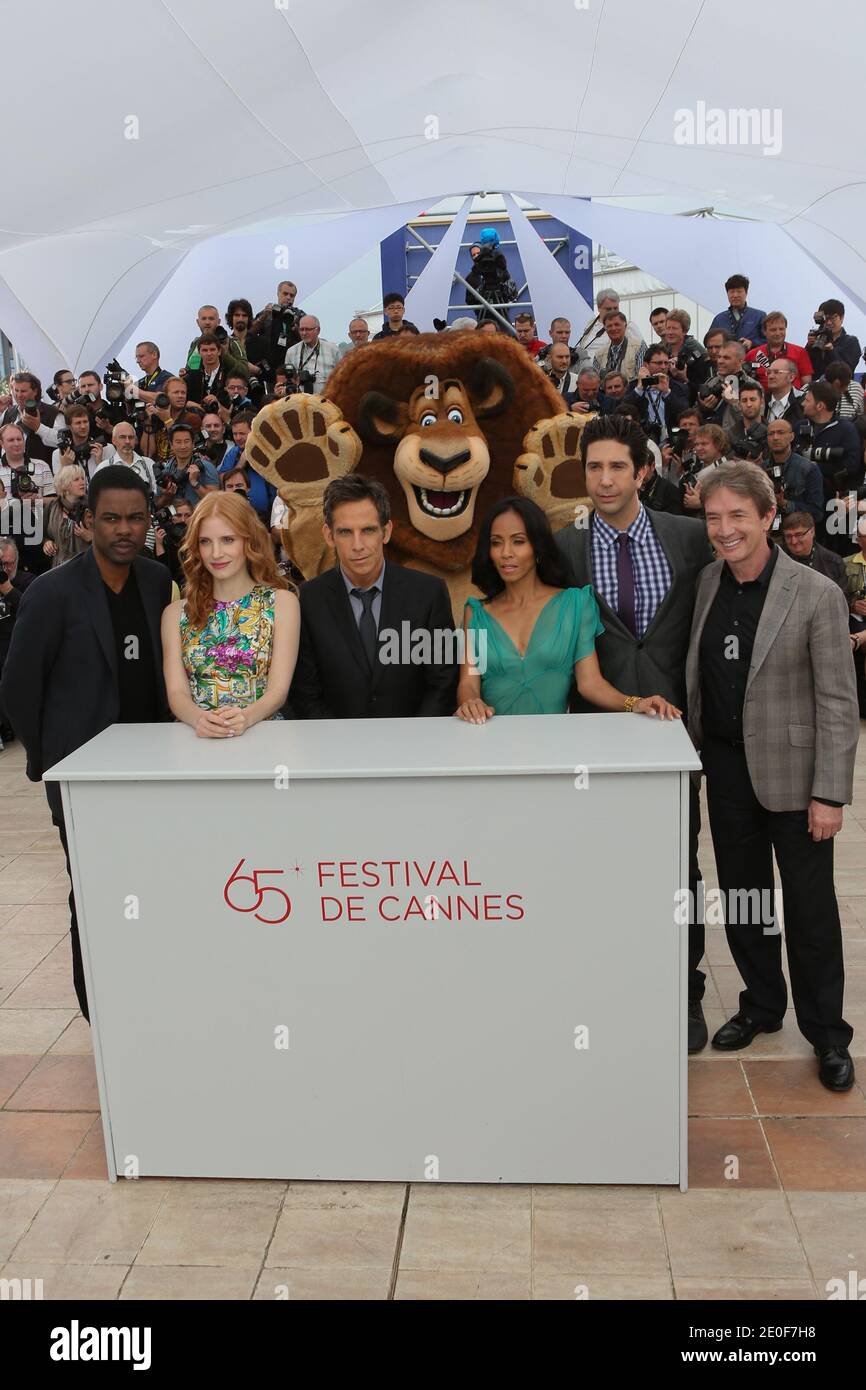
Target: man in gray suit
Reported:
[(644, 567), (773, 711)]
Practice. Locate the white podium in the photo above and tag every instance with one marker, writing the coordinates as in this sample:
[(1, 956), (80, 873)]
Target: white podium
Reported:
[(387, 949)]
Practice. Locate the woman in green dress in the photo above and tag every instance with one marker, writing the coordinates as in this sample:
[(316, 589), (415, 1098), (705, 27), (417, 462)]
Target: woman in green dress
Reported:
[(531, 635), (230, 645)]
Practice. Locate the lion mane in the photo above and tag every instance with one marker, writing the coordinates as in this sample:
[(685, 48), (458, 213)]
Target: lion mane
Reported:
[(398, 367)]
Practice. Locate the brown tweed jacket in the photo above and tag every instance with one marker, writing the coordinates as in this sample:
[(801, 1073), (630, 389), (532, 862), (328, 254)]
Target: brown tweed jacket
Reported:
[(801, 720)]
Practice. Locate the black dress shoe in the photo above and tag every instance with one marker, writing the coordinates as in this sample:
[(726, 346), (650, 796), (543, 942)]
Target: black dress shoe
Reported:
[(835, 1068), (697, 1026), (739, 1031)]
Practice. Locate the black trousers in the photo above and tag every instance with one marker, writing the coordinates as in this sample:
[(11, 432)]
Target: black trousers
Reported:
[(52, 792), (745, 835), (696, 899)]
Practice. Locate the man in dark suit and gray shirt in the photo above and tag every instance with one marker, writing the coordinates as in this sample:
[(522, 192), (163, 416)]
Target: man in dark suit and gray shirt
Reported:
[(644, 567), (377, 639), (86, 650)]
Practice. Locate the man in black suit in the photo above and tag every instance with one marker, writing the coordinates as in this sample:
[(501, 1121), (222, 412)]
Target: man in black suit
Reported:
[(645, 589), (86, 649), (354, 660)]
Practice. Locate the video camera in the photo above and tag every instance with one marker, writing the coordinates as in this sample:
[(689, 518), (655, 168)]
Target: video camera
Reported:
[(823, 337)]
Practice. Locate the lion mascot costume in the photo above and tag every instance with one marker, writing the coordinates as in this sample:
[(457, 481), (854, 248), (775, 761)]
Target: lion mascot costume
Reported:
[(449, 423)]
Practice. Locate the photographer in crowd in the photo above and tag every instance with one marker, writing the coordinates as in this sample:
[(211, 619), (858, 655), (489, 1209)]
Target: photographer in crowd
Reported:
[(124, 451), (745, 426), (557, 365), (277, 324), (62, 388), (834, 445), (207, 321), (711, 447), (782, 403), (312, 359), (77, 444), (206, 384), (798, 535), (829, 342), (169, 408), (359, 333), (659, 400), (715, 396), (526, 334), (739, 319), (35, 418), (239, 317), (154, 377), (688, 363), (170, 520), (90, 395), (215, 445), (188, 473), (797, 482), (850, 392), (622, 352), (260, 492), (394, 308), (588, 400), (855, 583), (776, 347), (489, 278), (65, 526), (560, 332)]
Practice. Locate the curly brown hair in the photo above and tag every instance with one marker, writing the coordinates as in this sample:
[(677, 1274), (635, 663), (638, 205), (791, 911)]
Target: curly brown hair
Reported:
[(258, 552)]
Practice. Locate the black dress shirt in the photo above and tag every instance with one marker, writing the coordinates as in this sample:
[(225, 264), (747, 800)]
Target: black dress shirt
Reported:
[(136, 675), (726, 650)]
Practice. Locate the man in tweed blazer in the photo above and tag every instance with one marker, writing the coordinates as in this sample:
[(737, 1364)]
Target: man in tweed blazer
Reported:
[(773, 711)]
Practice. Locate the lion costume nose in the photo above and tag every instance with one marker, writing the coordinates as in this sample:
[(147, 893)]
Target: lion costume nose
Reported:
[(441, 464)]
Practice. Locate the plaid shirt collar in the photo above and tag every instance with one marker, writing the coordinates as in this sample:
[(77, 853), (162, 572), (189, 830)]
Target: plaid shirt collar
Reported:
[(637, 532)]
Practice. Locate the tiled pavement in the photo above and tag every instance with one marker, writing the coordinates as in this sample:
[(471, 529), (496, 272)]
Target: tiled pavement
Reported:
[(776, 1206)]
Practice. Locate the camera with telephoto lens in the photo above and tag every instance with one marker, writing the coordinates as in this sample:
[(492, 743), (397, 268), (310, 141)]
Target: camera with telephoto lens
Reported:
[(300, 381), (822, 454), (115, 392), (164, 519), (746, 376), (678, 438), (750, 450), (686, 356), (823, 337)]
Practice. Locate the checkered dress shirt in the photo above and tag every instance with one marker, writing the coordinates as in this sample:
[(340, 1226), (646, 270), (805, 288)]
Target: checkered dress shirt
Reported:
[(652, 572)]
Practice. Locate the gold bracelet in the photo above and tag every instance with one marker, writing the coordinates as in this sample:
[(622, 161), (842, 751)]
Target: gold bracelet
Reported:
[(630, 702)]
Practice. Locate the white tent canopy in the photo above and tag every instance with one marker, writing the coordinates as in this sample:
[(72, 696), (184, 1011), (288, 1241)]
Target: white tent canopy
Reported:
[(153, 132)]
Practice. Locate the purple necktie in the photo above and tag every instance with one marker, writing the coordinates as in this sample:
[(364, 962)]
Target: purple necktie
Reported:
[(625, 585)]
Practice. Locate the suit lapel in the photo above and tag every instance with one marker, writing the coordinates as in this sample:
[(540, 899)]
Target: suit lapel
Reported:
[(707, 589), (153, 614), (664, 542), (97, 610), (781, 592), (344, 618)]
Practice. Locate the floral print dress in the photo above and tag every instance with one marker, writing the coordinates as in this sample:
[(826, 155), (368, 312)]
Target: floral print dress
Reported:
[(227, 661)]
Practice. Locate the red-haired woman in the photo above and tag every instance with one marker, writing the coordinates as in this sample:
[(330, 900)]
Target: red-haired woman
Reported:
[(230, 645)]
